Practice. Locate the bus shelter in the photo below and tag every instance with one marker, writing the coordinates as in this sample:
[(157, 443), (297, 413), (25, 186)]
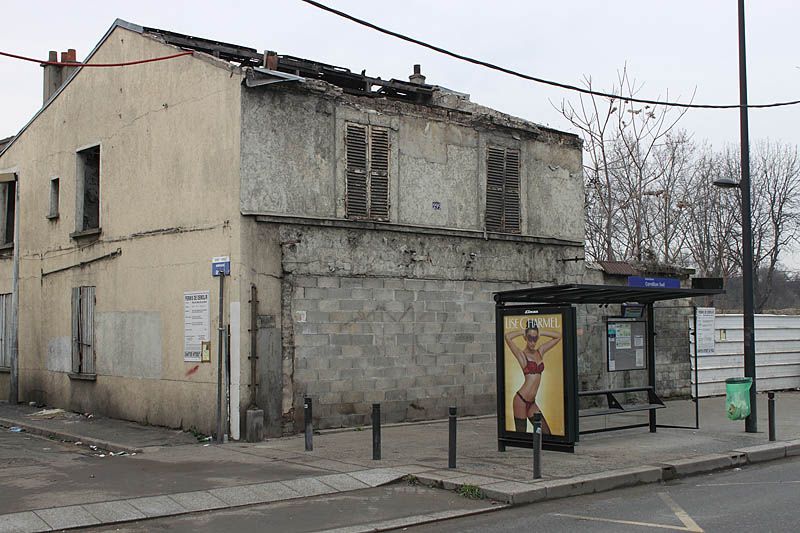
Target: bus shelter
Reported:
[(537, 358)]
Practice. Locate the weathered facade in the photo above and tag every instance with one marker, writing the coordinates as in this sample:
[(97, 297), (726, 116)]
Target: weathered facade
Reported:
[(162, 211), (398, 309), (373, 218)]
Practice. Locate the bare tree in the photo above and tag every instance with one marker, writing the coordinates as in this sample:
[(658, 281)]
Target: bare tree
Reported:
[(622, 171), (711, 219), (775, 206)]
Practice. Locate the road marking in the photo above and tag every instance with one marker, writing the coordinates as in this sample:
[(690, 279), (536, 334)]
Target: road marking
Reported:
[(747, 483), (683, 516), (626, 522)]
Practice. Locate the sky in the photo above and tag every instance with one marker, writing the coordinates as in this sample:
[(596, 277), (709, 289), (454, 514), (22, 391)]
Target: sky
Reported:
[(676, 49)]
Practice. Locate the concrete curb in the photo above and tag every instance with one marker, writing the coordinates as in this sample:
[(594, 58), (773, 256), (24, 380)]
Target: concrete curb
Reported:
[(33, 429), (418, 520), (523, 492), (143, 508)]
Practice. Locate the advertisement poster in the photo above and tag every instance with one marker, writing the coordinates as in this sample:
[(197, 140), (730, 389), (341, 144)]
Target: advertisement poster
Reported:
[(196, 324), (534, 372)]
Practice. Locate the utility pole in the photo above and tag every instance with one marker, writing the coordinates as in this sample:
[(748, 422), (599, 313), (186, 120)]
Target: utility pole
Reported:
[(751, 425)]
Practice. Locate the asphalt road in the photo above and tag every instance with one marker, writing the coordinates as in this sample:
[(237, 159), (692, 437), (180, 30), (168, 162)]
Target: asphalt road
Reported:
[(759, 498)]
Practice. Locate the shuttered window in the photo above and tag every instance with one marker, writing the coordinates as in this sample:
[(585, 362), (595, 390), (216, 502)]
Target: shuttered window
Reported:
[(502, 190), (367, 154), (83, 301), (5, 330)]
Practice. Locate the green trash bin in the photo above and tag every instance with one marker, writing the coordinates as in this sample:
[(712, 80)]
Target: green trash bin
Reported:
[(737, 397)]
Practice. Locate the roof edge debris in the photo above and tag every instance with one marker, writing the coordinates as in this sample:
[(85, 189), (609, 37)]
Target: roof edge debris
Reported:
[(298, 69)]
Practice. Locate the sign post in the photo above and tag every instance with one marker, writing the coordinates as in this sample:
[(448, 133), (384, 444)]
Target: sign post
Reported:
[(220, 267)]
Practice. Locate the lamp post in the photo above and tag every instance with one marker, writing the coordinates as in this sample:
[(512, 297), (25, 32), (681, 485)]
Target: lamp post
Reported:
[(750, 424)]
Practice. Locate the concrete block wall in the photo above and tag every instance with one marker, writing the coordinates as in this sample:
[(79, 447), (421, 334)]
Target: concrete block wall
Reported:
[(415, 346), (673, 363)]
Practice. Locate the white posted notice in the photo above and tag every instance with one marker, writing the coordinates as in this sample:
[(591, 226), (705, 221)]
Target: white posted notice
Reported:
[(196, 323), (705, 330)]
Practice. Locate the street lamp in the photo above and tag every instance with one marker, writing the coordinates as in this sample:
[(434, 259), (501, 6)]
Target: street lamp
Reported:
[(750, 424)]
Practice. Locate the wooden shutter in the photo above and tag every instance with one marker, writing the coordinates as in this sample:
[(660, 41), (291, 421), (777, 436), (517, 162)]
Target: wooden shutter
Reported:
[(495, 179), (379, 174), (511, 192), (76, 330), (5, 327), (502, 190), (356, 155), (83, 330), (87, 330)]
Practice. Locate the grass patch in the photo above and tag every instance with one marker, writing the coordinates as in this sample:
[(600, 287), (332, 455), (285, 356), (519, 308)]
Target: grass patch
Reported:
[(470, 491), (411, 479), (201, 437)]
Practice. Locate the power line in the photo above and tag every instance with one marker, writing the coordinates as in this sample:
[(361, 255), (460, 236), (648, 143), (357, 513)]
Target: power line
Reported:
[(534, 78), (101, 65)]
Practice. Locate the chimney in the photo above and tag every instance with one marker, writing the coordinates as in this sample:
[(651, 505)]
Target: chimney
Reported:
[(271, 60), (417, 77), (56, 75)]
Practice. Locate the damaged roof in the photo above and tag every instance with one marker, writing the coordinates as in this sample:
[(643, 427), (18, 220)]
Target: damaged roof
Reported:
[(350, 82), (264, 68)]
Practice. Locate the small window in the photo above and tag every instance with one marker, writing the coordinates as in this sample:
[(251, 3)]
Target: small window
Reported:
[(502, 190), (367, 154), (8, 197), (83, 354), (54, 192), (5, 330), (88, 216)]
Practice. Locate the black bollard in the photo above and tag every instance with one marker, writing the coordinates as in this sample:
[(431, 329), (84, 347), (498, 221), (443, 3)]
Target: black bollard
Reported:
[(771, 408), (537, 445), (307, 418), (376, 431), (451, 450)]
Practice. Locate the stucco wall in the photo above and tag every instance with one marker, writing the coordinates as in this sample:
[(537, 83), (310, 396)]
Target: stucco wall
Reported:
[(169, 188), (293, 161)]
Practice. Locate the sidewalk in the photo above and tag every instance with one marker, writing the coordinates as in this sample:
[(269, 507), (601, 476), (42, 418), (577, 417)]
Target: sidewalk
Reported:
[(171, 476), (480, 464)]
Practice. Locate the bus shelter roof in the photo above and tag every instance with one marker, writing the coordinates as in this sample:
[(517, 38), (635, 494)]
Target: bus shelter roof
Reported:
[(597, 294)]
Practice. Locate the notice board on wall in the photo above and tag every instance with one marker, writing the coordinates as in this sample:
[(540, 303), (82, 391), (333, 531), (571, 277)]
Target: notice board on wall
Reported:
[(626, 344), (196, 324)]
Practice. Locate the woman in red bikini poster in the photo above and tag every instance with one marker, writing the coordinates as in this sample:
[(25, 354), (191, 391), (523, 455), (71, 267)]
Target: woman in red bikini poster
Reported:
[(534, 372)]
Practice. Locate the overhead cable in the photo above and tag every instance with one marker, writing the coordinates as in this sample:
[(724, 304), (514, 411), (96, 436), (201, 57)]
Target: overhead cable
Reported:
[(534, 78), (96, 65)]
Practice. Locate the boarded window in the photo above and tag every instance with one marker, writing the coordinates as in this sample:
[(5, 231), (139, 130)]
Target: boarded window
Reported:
[(8, 197), (367, 154), (88, 189), (502, 190), (83, 330), (5, 330)]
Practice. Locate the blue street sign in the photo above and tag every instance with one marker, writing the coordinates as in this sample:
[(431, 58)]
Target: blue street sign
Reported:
[(221, 266), (654, 283)]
